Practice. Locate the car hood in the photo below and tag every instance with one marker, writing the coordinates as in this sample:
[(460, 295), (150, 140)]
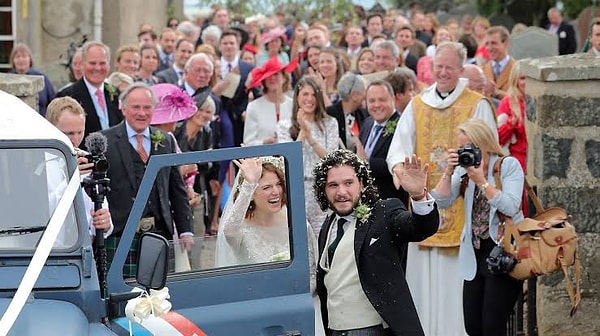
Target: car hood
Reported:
[(48, 317)]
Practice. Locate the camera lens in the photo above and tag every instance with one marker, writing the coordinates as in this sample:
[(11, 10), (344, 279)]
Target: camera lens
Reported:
[(465, 159)]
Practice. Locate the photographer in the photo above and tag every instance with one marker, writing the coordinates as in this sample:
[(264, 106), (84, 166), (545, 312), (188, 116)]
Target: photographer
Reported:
[(68, 116), (488, 298)]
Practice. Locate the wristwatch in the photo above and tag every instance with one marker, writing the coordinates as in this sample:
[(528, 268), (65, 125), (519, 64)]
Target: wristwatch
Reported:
[(484, 186)]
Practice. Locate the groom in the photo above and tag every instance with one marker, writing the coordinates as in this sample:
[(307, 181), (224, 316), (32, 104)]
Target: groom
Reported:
[(360, 280)]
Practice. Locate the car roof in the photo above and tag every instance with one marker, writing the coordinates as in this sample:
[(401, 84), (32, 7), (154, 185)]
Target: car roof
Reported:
[(18, 121)]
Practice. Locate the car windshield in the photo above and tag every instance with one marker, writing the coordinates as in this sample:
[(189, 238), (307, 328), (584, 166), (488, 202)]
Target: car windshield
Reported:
[(32, 181)]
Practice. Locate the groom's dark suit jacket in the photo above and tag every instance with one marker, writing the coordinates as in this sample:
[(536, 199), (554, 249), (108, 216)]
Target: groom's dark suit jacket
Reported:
[(79, 92), (174, 206), (376, 252)]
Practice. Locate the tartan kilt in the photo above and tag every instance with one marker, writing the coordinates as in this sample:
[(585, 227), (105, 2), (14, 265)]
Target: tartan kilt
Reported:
[(130, 266)]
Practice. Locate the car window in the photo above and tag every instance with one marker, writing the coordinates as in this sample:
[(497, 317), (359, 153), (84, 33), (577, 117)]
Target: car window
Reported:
[(33, 181), (228, 224)]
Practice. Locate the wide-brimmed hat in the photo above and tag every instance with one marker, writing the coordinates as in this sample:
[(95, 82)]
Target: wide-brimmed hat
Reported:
[(272, 35), (271, 67), (173, 104)]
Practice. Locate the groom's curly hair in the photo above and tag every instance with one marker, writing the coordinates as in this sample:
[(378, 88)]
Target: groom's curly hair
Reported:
[(343, 157)]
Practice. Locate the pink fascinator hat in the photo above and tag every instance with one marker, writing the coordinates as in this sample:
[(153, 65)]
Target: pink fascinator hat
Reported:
[(174, 104)]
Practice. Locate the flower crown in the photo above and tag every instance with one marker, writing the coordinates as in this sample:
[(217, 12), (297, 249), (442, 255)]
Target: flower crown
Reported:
[(277, 161)]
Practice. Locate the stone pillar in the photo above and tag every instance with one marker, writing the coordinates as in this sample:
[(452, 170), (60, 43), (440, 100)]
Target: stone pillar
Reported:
[(563, 129), (25, 87)]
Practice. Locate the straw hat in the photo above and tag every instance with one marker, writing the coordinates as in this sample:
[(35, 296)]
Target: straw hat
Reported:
[(173, 104)]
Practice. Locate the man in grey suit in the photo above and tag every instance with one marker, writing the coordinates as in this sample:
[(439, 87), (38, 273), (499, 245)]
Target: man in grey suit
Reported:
[(130, 144), (183, 50)]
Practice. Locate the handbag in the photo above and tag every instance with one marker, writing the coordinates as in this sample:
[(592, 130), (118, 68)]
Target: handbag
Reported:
[(544, 244)]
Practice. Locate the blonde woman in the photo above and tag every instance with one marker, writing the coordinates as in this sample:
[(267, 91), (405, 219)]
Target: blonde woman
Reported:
[(488, 298), (511, 117)]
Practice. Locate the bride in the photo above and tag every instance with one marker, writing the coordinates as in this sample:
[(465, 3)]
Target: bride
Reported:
[(254, 225)]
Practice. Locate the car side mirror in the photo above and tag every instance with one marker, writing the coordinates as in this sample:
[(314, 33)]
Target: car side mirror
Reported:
[(153, 261)]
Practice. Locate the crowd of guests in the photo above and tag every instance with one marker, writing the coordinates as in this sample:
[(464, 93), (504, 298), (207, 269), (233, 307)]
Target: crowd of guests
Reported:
[(398, 90)]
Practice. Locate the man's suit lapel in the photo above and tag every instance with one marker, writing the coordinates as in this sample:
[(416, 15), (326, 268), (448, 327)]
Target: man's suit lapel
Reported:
[(124, 148), (360, 232), (158, 149), (91, 119), (503, 78), (324, 233), (383, 139), (366, 131), (112, 105)]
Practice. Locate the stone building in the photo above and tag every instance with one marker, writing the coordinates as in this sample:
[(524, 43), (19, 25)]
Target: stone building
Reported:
[(49, 26)]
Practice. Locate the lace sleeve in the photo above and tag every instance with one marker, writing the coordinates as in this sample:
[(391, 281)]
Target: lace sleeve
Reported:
[(332, 134), (313, 257), (234, 218)]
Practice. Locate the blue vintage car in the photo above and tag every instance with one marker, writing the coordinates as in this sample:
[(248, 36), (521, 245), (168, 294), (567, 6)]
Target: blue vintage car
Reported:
[(49, 284)]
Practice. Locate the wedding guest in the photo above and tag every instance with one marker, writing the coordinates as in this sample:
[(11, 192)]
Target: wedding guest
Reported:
[(480, 26), (119, 80), (127, 59), (130, 144), (512, 135), (69, 117), (365, 62), (438, 299), (488, 298), (263, 114), (331, 70), (273, 42), (99, 99), (149, 61), (21, 62), (348, 109), (318, 133), (166, 47)]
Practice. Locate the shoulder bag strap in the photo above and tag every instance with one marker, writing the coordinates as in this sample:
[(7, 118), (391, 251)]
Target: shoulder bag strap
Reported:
[(510, 230), (539, 208)]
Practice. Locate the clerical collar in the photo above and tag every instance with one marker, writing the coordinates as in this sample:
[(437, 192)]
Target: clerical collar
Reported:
[(443, 95)]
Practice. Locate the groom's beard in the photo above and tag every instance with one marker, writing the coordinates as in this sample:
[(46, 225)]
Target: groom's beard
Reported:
[(343, 211)]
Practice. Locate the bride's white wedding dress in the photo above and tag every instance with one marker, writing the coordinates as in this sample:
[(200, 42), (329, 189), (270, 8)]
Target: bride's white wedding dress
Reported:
[(240, 242)]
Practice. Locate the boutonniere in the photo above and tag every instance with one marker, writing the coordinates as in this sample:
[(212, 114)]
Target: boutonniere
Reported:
[(112, 91), (363, 212), (390, 127), (157, 137)]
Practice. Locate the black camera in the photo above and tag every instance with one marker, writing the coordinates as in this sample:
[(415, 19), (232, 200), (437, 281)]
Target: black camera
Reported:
[(100, 165), (469, 156), (500, 262)]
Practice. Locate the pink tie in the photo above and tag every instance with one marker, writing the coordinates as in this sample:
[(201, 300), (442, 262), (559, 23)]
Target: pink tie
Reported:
[(100, 97)]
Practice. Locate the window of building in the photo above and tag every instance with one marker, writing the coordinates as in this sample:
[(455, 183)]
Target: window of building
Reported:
[(8, 29)]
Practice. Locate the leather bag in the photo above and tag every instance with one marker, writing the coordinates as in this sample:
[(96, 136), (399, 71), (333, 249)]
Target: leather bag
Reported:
[(544, 244)]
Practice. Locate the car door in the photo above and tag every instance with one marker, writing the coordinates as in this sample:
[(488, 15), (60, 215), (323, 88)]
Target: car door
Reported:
[(269, 298)]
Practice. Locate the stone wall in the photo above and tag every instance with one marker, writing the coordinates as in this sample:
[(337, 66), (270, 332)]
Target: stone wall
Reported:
[(23, 86), (563, 129)]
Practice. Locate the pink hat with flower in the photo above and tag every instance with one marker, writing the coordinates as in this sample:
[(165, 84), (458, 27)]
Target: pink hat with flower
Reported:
[(272, 35), (174, 104)]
